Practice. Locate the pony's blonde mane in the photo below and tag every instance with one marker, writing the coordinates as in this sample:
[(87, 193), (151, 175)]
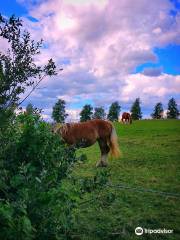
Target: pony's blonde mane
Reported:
[(62, 128), (56, 127)]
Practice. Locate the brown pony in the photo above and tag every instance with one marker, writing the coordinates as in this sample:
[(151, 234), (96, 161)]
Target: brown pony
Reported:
[(126, 118), (87, 133)]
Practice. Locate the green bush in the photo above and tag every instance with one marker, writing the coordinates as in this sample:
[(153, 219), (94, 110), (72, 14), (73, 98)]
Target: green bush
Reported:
[(33, 163)]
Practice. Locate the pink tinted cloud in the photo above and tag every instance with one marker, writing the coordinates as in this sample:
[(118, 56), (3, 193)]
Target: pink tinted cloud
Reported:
[(104, 44)]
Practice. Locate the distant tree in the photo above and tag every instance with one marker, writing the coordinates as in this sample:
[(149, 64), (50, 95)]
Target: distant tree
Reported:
[(114, 111), (136, 113), (99, 113), (173, 111), (86, 113), (158, 110), (59, 112), (31, 110)]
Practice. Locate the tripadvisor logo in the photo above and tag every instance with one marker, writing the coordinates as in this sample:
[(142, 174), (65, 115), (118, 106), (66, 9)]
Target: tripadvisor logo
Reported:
[(139, 231)]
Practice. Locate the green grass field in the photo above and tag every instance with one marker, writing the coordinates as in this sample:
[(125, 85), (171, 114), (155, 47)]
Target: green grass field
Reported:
[(150, 160)]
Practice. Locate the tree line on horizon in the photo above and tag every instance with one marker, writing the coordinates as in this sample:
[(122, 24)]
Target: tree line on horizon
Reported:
[(59, 114)]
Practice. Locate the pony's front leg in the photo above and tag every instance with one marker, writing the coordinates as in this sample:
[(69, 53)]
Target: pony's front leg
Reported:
[(103, 162)]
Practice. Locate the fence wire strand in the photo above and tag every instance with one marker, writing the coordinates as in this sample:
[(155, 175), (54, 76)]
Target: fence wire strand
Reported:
[(137, 189)]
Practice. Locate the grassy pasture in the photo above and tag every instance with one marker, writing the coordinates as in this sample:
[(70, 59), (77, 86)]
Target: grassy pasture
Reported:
[(150, 160)]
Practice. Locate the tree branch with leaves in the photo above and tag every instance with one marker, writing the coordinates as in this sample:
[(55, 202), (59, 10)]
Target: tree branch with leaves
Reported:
[(18, 70)]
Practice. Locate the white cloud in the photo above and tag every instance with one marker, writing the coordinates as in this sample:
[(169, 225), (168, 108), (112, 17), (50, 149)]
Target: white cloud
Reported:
[(104, 42), (73, 115), (149, 88)]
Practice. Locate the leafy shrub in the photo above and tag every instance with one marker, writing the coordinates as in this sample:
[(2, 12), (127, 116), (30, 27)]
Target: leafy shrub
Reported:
[(33, 162)]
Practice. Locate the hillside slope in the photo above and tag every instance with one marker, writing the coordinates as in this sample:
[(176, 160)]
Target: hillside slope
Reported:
[(150, 161)]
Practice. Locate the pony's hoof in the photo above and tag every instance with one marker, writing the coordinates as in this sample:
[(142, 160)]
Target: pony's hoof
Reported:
[(101, 164)]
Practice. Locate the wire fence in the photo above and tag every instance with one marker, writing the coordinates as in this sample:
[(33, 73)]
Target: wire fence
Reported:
[(136, 189), (139, 189)]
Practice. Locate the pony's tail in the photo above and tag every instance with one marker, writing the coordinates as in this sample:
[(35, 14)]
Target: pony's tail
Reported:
[(114, 146)]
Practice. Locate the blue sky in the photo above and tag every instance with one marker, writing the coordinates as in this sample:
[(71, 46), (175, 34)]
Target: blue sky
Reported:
[(9, 7), (110, 50), (168, 60)]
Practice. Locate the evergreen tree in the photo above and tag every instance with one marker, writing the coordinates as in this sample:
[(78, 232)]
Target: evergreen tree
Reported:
[(136, 113), (86, 113), (59, 113), (99, 113), (158, 110), (114, 111), (173, 111)]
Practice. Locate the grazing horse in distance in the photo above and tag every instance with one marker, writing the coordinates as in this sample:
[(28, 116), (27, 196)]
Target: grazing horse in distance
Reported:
[(126, 118), (85, 134)]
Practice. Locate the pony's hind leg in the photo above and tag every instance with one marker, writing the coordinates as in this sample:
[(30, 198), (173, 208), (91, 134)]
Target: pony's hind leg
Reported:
[(104, 153)]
